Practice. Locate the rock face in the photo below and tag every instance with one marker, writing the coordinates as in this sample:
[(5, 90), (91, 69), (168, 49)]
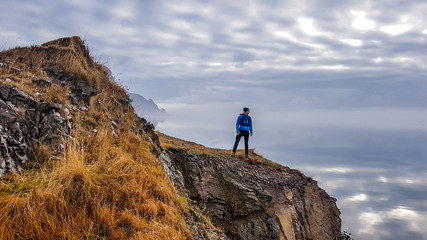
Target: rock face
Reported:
[(250, 200), (25, 123)]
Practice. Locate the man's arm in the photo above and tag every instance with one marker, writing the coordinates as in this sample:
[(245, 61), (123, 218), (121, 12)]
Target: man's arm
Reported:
[(250, 125), (238, 124)]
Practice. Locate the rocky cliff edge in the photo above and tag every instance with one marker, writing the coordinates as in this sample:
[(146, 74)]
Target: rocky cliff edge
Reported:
[(250, 198)]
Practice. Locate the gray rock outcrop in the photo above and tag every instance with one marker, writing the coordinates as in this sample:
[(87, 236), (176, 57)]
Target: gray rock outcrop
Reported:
[(24, 123), (250, 200)]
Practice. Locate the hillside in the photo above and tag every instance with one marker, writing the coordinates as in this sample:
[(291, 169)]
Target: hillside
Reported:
[(88, 168), (76, 162)]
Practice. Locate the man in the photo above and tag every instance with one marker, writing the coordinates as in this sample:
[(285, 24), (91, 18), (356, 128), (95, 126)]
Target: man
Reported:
[(243, 128)]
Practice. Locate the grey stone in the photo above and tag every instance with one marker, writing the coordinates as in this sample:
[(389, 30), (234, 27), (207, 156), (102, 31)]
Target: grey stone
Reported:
[(4, 92), (19, 98), (42, 82), (250, 200), (45, 106), (24, 123)]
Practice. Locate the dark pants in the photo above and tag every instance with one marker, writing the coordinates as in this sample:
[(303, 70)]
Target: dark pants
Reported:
[(238, 137)]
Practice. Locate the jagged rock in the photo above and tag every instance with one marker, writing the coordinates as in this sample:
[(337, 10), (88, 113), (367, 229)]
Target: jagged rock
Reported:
[(41, 82), (254, 201), (170, 169), (4, 92), (16, 96), (25, 122), (125, 101), (43, 106), (80, 90), (148, 128)]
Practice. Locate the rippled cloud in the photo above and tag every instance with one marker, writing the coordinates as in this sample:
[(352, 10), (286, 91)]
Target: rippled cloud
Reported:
[(197, 41)]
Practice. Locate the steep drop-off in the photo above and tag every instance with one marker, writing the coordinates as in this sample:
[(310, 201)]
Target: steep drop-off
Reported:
[(250, 198), (76, 162)]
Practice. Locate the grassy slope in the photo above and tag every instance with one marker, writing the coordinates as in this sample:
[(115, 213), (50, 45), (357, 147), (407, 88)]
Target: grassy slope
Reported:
[(103, 187)]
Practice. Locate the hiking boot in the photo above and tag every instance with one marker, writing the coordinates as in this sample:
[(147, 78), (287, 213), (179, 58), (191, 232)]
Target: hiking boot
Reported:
[(233, 154)]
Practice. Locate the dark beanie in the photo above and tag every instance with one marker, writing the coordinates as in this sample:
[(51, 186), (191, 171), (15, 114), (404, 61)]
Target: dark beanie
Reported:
[(245, 109)]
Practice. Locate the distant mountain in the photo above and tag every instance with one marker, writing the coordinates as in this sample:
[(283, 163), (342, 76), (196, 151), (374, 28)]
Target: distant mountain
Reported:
[(144, 108), (148, 109)]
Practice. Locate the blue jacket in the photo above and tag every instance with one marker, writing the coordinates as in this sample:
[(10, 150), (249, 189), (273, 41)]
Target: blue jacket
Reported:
[(244, 122)]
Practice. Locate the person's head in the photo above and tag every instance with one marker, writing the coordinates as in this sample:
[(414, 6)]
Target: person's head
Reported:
[(246, 110)]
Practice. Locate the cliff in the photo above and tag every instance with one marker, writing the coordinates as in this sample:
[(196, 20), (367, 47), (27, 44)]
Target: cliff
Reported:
[(76, 162), (250, 198)]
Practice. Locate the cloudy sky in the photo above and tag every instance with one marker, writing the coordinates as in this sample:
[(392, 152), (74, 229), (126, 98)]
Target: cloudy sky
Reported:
[(337, 88), (302, 54), (360, 57)]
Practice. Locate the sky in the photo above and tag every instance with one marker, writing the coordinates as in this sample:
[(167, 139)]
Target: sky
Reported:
[(337, 88), (356, 56)]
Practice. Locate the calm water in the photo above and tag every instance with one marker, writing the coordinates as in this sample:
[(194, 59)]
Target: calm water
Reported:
[(371, 160)]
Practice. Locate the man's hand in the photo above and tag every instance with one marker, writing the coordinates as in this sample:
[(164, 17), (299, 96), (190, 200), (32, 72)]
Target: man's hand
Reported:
[(251, 134), (237, 134)]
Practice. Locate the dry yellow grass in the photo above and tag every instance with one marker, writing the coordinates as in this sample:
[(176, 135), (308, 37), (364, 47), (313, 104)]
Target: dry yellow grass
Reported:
[(102, 187), (56, 94), (110, 188)]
